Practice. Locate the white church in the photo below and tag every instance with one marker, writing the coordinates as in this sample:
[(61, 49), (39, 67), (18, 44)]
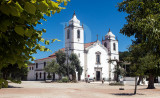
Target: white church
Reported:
[(94, 56)]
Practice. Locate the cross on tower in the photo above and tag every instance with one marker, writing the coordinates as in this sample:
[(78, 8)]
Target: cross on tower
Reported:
[(97, 36), (74, 13), (109, 30)]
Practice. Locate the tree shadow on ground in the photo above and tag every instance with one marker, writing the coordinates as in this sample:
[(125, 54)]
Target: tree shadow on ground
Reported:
[(125, 94), (9, 86)]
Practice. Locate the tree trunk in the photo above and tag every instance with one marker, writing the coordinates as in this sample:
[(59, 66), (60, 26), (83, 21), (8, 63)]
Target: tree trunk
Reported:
[(79, 77), (135, 90), (60, 76), (53, 76), (74, 76), (151, 82), (139, 80)]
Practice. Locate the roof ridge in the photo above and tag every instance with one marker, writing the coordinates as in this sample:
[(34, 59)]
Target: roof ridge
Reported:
[(90, 42)]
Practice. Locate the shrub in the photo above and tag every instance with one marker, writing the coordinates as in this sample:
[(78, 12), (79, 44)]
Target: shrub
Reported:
[(65, 79), (74, 81), (116, 84), (49, 76), (59, 81)]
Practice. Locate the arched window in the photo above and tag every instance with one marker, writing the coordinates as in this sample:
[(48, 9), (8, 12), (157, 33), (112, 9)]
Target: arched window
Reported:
[(68, 34), (105, 44), (78, 33), (114, 46)]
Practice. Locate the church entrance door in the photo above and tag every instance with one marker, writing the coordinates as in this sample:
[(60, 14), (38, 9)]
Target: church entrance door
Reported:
[(98, 75)]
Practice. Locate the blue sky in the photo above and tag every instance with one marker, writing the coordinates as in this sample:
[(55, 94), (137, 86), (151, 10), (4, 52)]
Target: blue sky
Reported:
[(96, 15)]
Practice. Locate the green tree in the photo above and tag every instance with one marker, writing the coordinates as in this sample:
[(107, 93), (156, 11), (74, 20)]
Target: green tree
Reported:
[(136, 69), (124, 63), (151, 67), (13, 73), (18, 37), (61, 60), (123, 55), (142, 64), (75, 66), (143, 22), (52, 67), (120, 71), (118, 68)]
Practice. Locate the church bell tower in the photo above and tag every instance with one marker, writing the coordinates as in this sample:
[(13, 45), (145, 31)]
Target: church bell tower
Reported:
[(111, 43), (74, 40)]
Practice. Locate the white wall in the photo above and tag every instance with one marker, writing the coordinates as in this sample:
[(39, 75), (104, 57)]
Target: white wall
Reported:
[(30, 76), (40, 69), (91, 61)]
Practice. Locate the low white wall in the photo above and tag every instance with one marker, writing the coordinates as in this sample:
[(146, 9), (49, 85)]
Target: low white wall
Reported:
[(158, 79), (129, 79)]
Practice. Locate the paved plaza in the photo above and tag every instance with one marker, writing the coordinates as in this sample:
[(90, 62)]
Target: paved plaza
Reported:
[(39, 89)]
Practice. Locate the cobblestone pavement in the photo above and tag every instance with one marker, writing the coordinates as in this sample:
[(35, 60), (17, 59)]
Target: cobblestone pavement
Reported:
[(39, 89)]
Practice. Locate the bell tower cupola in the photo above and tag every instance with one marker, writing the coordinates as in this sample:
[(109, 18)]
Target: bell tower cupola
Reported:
[(111, 43)]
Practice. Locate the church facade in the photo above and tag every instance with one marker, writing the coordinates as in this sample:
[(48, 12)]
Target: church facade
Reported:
[(94, 56)]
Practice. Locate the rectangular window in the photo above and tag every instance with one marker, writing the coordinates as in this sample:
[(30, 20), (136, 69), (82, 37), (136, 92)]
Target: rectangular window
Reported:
[(36, 65), (114, 46), (98, 59), (44, 64), (68, 34), (78, 34)]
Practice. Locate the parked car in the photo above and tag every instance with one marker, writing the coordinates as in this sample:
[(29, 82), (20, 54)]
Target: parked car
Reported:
[(88, 80)]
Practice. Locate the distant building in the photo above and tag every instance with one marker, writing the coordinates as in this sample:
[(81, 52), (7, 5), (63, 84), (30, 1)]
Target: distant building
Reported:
[(31, 72), (93, 56)]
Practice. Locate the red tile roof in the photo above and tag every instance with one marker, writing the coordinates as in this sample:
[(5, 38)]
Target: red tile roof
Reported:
[(63, 49), (88, 44), (46, 58)]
